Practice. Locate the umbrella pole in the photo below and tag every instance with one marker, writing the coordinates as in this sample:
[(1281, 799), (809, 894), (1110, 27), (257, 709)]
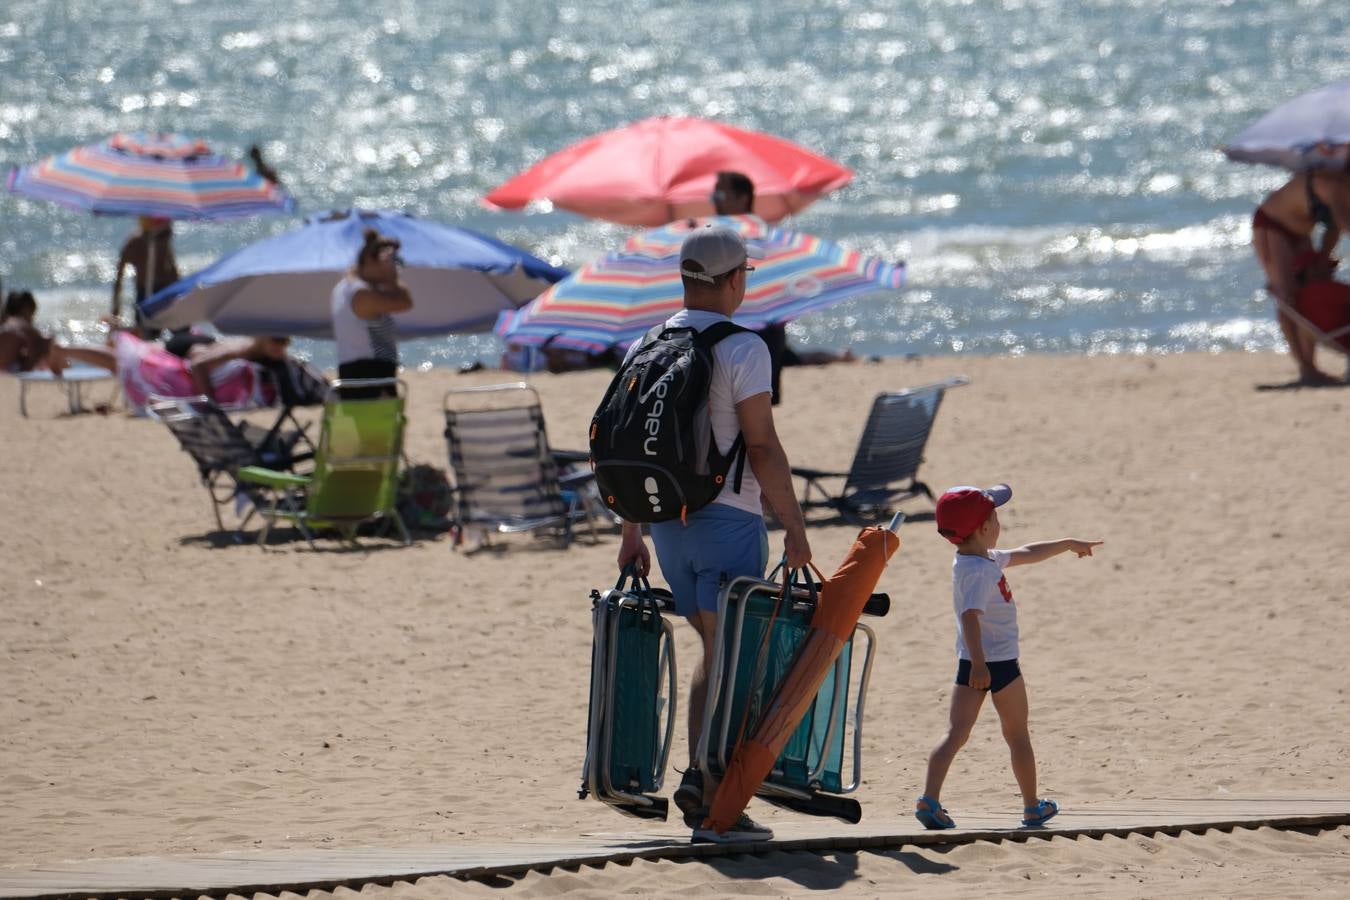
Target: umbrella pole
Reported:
[(149, 286)]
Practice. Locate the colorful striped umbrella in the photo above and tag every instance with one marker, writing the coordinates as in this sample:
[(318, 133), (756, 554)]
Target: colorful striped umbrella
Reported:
[(614, 300), (163, 175)]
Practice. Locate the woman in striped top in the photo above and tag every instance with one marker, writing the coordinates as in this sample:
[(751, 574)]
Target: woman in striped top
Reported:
[(363, 305)]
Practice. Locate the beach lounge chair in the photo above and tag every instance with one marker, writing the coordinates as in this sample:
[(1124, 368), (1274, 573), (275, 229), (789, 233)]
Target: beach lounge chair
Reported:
[(632, 700), (73, 381), (221, 447), (885, 466), (822, 760), (356, 464), (506, 478)]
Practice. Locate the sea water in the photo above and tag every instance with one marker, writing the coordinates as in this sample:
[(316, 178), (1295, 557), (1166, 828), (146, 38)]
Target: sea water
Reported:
[(1047, 168)]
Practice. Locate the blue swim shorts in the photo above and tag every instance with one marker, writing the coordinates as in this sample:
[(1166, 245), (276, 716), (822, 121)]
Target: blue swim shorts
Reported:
[(717, 544), (1002, 672)]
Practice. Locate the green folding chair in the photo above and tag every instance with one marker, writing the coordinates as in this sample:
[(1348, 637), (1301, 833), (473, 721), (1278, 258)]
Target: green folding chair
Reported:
[(356, 464)]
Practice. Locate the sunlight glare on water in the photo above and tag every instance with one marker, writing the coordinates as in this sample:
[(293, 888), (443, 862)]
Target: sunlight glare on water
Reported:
[(1047, 168)]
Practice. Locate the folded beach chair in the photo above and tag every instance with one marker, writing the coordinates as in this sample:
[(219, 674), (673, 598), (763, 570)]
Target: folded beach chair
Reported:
[(757, 641), (506, 478), (356, 463), (632, 699), (885, 466), (73, 381), (221, 447)]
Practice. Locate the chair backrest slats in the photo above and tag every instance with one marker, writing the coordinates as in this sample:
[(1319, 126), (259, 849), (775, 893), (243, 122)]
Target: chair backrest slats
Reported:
[(501, 463), (893, 440), (207, 434)]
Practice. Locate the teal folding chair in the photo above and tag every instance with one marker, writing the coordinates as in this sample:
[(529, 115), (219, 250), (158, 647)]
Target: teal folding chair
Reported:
[(632, 698), (809, 775), (356, 466)]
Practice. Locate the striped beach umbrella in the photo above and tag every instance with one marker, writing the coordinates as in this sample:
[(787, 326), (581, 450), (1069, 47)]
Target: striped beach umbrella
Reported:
[(167, 176), (612, 301)]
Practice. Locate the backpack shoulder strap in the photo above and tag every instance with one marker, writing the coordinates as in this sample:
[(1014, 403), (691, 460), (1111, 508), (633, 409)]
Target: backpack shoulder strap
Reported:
[(717, 332)]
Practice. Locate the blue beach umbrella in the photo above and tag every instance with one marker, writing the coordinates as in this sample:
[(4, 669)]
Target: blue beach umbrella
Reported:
[(460, 280)]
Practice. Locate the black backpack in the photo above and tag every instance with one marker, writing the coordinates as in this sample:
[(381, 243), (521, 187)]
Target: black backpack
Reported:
[(652, 446)]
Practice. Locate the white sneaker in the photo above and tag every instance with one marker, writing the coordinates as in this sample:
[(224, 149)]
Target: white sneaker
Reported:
[(744, 830)]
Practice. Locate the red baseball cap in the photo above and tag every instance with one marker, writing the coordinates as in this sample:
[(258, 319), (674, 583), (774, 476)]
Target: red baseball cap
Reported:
[(962, 510)]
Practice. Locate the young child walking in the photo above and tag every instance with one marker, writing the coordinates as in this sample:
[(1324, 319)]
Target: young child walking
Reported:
[(986, 644)]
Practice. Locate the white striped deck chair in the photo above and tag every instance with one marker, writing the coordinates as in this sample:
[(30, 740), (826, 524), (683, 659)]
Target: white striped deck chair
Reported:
[(506, 478)]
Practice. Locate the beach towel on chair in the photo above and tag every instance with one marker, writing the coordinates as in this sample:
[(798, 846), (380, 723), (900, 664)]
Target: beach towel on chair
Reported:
[(146, 368)]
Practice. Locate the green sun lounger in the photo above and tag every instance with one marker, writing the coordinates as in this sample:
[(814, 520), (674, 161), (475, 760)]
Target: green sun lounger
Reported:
[(355, 472)]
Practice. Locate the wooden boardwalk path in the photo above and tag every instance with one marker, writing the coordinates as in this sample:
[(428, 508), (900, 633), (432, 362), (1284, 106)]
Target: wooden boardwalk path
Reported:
[(249, 872)]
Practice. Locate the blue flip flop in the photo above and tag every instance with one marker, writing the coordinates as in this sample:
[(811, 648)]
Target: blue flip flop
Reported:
[(930, 818), (1042, 812)]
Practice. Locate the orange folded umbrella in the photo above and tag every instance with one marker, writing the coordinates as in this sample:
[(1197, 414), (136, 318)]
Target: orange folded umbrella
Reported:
[(842, 597)]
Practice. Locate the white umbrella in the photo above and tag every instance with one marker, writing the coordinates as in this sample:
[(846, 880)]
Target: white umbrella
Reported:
[(1310, 131)]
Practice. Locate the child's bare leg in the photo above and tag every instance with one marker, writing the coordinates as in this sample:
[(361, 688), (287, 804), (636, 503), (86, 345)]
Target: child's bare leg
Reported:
[(965, 709), (1013, 714)]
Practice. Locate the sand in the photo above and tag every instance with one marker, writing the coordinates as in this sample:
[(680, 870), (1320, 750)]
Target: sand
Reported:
[(169, 691)]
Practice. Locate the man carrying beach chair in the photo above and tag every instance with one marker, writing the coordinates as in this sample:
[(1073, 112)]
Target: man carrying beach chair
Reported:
[(685, 440)]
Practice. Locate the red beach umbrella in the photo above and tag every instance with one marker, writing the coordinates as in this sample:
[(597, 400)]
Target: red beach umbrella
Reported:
[(657, 170)]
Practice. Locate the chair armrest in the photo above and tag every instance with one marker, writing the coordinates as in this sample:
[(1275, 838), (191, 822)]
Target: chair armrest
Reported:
[(270, 478)]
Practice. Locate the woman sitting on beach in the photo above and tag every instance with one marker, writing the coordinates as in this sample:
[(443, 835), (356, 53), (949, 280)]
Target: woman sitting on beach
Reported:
[(1282, 230), (23, 348)]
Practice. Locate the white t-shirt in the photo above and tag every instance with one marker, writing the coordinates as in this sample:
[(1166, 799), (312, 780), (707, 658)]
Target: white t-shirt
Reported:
[(359, 338), (741, 369), (978, 583)]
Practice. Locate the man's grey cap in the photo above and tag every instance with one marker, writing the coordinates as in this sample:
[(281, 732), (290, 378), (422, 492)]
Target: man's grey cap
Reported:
[(717, 250)]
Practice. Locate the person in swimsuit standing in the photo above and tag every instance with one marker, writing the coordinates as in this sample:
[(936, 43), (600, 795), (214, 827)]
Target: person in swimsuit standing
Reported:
[(150, 248), (363, 304), (1282, 230)]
